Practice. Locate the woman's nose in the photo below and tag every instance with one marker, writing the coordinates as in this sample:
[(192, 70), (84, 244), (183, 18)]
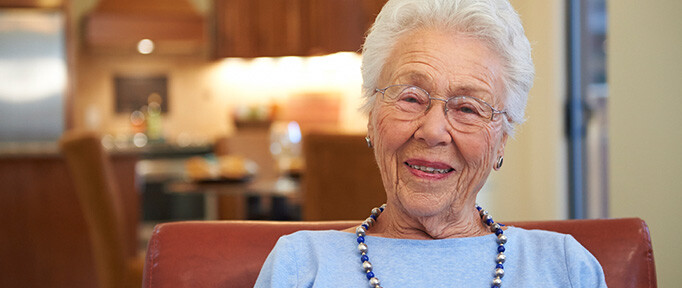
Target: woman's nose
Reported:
[(433, 126)]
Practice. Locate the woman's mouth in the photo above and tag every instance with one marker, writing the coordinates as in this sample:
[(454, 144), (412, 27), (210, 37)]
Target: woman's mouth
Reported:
[(428, 169)]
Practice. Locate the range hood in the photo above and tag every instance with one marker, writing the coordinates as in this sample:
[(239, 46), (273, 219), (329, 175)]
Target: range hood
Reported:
[(174, 26)]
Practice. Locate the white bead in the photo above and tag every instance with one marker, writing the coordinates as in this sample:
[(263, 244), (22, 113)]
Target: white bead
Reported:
[(360, 231), (362, 247), (494, 227), (374, 281), (376, 211), (487, 217), (501, 258), (366, 266), (499, 272), (501, 239), (497, 281)]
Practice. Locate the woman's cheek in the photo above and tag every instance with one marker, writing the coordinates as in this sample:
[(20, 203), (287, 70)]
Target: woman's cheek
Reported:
[(478, 152), (389, 137), (477, 149)]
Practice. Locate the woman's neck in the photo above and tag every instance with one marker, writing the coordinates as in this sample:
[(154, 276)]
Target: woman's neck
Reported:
[(460, 223)]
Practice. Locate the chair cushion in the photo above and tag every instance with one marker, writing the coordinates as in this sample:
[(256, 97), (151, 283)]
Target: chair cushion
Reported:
[(230, 253)]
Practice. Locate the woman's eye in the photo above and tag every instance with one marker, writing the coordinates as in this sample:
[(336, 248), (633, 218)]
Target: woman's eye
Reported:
[(467, 110), (410, 98), (464, 108)]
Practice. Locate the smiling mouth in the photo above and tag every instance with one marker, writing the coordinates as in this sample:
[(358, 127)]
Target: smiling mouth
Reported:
[(428, 169)]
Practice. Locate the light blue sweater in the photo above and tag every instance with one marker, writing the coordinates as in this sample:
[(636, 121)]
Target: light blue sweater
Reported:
[(330, 259)]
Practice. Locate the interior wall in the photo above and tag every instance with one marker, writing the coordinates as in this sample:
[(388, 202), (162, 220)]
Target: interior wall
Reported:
[(532, 182), (644, 73)]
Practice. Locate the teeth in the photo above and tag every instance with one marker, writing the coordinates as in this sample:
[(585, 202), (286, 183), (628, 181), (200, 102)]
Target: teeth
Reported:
[(430, 169)]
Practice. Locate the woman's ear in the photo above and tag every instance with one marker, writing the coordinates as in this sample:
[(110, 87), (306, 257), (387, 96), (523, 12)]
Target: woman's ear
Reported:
[(500, 147), (370, 124), (499, 157)]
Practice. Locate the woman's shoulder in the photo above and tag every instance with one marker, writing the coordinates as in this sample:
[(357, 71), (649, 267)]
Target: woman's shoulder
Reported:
[(536, 238), (316, 234), (316, 238), (547, 244), (563, 255), (537, 235)]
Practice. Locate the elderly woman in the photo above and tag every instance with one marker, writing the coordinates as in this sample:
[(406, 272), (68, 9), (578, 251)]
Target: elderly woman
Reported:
[(445, 82)]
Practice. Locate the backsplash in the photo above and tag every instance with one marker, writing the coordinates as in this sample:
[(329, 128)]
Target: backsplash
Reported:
[(203, 96)]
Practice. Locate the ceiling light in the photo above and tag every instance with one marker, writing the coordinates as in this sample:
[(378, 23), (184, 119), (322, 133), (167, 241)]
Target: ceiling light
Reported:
[(145, 46)]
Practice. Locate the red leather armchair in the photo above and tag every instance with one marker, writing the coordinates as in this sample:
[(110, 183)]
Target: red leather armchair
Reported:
[(230, 253)]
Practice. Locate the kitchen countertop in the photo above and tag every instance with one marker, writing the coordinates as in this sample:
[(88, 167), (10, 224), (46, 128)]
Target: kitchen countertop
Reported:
[(51, 149)]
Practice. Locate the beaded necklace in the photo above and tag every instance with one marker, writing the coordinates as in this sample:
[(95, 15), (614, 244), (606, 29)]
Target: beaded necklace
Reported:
[(361, 231)]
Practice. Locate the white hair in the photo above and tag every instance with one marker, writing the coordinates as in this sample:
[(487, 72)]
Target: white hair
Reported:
[(493, 21)]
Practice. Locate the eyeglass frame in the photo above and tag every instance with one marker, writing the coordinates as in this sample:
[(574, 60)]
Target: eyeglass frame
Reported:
[(445, 101)]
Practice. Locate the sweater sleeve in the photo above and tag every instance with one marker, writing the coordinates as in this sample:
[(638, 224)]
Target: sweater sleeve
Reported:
[(280, 268), (583, 269)]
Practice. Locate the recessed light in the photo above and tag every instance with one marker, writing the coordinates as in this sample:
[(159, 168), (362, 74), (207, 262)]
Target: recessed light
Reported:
[(145, 46)]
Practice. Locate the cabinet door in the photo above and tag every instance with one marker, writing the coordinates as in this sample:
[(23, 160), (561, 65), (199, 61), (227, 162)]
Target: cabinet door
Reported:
[(280, 28), (340, 25), (235, 28), (255, 28)]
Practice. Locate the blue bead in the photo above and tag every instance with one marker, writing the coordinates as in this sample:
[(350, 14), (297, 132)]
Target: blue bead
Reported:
[(373, 216), (381, 208), (370, 275), (498, 232), (479, 208), (489, 221), (364, 258), (361, 239), (500, 248), (365, 226), (499, 266)]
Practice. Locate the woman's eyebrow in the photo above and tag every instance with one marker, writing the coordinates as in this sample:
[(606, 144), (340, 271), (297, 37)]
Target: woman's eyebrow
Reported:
[(414, 78), (454, 88), (459, 88)]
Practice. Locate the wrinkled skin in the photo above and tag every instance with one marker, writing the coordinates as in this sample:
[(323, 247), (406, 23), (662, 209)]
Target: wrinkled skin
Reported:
[(424, 205)]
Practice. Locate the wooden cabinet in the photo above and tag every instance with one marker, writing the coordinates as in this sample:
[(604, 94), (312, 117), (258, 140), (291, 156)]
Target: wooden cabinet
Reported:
[(280, 27), (254, 28), (340, 25), (234, 28), (31, 4)]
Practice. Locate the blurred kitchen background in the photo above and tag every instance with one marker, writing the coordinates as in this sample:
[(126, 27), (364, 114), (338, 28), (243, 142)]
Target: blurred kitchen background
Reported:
[(203, 108)]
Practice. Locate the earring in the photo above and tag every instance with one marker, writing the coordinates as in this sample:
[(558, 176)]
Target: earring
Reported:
[(498, 165), (369, 142)]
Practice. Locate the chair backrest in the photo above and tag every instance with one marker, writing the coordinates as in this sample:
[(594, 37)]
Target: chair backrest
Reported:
[(97, 192), (341, 178), (230, 253)]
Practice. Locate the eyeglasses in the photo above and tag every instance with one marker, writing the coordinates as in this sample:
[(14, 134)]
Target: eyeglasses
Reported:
[(464, 113)]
